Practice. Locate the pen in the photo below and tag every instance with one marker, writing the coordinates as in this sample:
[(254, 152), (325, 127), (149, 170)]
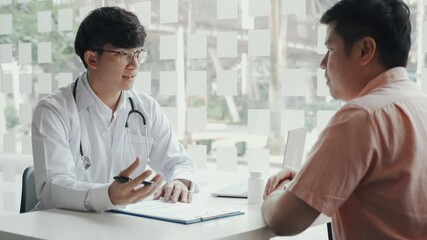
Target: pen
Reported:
[(124, 179)]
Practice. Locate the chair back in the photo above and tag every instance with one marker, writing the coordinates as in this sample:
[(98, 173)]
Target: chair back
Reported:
[(28, 196)]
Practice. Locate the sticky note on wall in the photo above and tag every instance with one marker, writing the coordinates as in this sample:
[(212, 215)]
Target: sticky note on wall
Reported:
[(227, 83), (44, 81), (44, 52), (196, 119), (9, 143), (294, 82), (44, 21), (168, 83), (5, 24), (7, 83), (24, 53), (226, 159), (197, 46), (259, 43), (25, 113), (258, 159), (226, 9), (292, 119), (143, 82), (143, 11), (226, 44), (65, 19), (259, 121), (168, 47), (259, 8), (196, 83), (25, 83), (172, 114), (199, 155), (64, 79), (294, 7), (6, 55), (26, 145), (322, 88), (168, 11)]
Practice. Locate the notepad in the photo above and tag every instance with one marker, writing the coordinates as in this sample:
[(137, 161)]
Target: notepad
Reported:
[(182, 213)]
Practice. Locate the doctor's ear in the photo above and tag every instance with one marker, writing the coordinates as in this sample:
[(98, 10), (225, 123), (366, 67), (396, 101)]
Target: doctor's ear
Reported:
[(90, 59)]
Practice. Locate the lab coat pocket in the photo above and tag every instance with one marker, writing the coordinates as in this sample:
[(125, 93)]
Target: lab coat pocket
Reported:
[(139, 145)]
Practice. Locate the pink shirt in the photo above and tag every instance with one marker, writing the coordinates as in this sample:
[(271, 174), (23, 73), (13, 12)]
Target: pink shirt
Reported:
[(368, 169)]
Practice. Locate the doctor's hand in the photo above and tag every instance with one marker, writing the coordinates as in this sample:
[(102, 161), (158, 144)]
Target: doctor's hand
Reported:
[(132, 191), (175, 190), (279, 181)]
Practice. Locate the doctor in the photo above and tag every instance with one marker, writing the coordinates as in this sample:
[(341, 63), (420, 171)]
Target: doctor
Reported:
[(99, 127)]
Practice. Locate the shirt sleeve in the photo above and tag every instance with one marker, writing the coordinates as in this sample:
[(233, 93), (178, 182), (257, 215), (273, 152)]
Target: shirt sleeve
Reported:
[(167, 155), (338, 161), (55, 178)]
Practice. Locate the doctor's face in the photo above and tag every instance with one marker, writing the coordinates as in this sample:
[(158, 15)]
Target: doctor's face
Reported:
[(116, 68), (341, 67)]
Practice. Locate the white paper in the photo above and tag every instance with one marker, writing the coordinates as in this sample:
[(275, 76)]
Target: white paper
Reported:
[(143, 11), (9, 143), (322, 88), (226, 45), (258, 159), (25, 113), (199, 155), (196, 119), (44, 21), (197, 46), (25, 54), (65, 19), (168, 47), (226, 9), (44, 83), (26, 145), (227, 83), (143, 82), (196, 83), (6, 55), (323, 118), (294, 82), (259, 43), (44, 52), (259, 8), (7, 83), (168, 11), (321, 38), (168, 83), (259, 121), (292, 119), (64, 79), (6, 24), (25, 83), (172, 114), (226, 159), (294, 7)]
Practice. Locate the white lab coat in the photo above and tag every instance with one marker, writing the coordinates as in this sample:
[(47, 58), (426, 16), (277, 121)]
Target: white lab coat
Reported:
[(59, 124)]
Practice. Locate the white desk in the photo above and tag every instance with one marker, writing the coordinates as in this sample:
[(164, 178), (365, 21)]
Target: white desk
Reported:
[(65, 224)]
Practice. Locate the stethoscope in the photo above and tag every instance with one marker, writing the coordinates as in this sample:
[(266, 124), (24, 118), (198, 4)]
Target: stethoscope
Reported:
[(86, 161)]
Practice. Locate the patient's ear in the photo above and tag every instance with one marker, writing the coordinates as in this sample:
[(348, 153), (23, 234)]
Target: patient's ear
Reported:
[(367, 48)]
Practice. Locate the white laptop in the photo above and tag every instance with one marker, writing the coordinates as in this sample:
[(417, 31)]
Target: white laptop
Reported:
[(294, 150)]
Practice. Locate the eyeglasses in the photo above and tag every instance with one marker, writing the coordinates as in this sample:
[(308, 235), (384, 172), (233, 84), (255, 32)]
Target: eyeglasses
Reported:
[(127, 56)]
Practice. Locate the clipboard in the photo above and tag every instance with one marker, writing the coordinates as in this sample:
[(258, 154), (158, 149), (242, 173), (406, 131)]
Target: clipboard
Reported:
[(182, 213)]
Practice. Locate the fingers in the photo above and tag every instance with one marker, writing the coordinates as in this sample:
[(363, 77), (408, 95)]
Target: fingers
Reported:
[(174, 191), (129, 170), (283, 185), (138, 180), (168, 188)]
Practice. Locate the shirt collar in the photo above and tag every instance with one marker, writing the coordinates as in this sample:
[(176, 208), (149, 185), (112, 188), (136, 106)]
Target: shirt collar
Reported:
[(391, 75), (85, 97)]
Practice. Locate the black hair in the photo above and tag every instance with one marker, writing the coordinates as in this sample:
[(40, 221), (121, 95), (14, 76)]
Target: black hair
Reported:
[(109, 25), (386, 21)]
